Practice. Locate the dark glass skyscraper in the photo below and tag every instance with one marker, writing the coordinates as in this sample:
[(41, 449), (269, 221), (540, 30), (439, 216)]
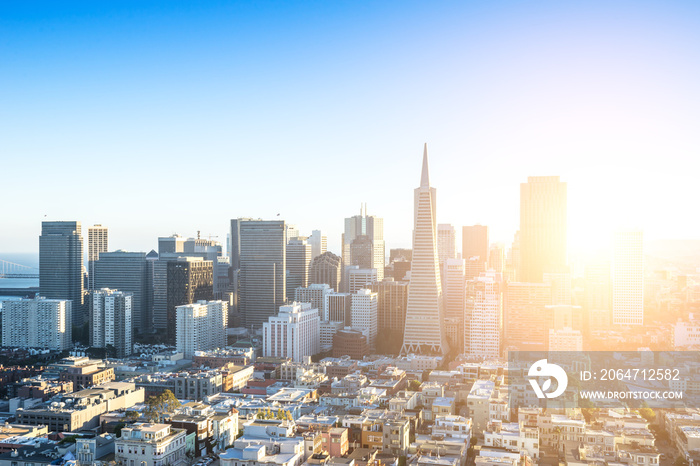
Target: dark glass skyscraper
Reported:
[(190, 279), (61, 265), (258, 263)]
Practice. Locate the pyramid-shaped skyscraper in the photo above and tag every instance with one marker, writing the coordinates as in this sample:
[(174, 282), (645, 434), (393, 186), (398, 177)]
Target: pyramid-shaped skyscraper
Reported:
[(424, 331)]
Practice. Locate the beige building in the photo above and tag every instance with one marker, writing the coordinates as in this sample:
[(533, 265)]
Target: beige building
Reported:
[(87, 373), (196, 385), (82, 410), (396, 435)]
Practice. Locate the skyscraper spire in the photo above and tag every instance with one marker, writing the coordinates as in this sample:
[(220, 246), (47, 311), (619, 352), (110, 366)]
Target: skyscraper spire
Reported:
[(424, 176), (424, 328)]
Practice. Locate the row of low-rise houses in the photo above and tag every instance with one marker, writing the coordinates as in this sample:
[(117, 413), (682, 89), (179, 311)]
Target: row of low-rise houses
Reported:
[(299, 415)]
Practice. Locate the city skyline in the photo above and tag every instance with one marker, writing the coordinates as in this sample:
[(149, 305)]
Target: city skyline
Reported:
[(606, 105), (536, 301)]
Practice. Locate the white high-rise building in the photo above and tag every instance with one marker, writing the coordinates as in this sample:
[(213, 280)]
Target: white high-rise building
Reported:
[(201, 326), (455, 281), (364, 313), (315, 294), (293, 333), (298, 264), (425, 315), (318, 242), (628, 278), (98, 241), (359, 278), (447, 242), (37, 323), (110, 321), (485, 323)]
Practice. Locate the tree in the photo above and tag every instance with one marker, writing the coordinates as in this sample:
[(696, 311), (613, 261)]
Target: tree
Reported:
[(131, 416), (647, 413), (158, 406), (414, 385), (118, 429)]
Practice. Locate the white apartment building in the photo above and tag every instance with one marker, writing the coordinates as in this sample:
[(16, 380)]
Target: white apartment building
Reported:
[(363, 312), (452, 426), (201, 326), (293, 333), (151, 445), (110, 320), (37, 323), (454, 280), (513, 436), (485, 323)]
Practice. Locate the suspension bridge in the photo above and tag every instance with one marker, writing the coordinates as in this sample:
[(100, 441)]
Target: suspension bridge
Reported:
[(12, 270)]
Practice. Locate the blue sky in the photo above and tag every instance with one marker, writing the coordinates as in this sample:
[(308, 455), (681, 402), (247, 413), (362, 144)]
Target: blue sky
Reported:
[(162, 117)]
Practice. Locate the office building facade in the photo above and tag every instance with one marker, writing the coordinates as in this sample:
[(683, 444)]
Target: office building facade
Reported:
[(258, 263), (190, 280), (363, 312), (318, 242), (98, 241), (366, 234), (359, 278), (298, 263), (485, 321), (61, 266), (129, 272), (315, 294), (447, 242), (542, 227), (327, 268), (392, 300), (293, 333)]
